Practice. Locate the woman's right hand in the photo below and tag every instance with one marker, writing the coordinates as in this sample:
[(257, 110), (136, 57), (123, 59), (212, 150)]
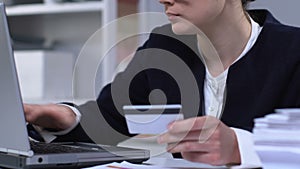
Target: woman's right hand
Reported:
[(52, 116)]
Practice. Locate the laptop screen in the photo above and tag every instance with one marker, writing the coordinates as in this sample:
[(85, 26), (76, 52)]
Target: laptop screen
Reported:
[(12, 122)]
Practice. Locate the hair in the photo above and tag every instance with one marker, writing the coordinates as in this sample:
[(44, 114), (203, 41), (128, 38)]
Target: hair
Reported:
[(245, 2)]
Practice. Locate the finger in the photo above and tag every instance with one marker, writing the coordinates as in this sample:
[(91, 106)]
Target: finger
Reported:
[(26, 107), (201, 136), (193, 124), (208, 158), (28, 112), (192, 146), (177, 137)]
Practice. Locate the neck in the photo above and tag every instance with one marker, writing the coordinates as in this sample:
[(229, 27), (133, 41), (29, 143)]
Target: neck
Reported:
[(223, 41)]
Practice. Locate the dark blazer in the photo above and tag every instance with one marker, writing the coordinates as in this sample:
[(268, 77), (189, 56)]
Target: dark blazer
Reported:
[(266, 78)]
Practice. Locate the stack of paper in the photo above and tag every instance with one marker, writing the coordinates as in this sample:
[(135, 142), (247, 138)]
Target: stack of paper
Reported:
[(279, 129), (277, 138)]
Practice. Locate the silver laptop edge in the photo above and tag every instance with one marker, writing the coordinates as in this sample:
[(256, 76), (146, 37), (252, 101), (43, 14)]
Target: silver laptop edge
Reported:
[(11, 143), (15, 151)]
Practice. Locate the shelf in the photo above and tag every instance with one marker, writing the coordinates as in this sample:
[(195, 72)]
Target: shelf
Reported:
[(45, 75), (68, 25), (37, 9)]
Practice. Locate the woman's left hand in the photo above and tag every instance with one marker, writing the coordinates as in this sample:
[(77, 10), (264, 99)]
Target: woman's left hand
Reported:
[(202, 139)]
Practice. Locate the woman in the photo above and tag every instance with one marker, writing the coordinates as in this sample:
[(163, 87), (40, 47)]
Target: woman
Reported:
[(257, 71)]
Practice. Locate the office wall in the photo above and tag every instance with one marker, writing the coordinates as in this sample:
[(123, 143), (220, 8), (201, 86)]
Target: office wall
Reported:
[(286, 11)]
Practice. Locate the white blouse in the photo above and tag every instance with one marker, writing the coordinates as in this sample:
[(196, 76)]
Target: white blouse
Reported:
[(214, 87)]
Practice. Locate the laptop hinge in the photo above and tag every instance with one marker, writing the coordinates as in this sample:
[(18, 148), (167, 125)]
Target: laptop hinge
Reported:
[(17, 152)]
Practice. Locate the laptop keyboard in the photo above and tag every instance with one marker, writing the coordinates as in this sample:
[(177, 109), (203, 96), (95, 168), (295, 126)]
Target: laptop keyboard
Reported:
[(45, 148)]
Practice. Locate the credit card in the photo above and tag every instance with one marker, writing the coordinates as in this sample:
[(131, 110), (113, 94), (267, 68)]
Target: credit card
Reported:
[(151, 119)]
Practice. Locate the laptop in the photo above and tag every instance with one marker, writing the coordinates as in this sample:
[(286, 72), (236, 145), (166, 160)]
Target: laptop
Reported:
[(16, 151)]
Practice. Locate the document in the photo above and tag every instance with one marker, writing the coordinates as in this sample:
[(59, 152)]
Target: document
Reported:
[(160, 158), (126, 165), (174, 164), (282, 128), (147, 142), (277, 139)]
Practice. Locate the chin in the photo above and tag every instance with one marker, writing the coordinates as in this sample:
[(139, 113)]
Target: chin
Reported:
[(182, 28)]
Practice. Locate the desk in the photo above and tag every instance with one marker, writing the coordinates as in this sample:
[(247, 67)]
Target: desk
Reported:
[(289, 161), (284, 158), (158, 154), (158, 163), (178, 163), (271, 157), (279, 157)]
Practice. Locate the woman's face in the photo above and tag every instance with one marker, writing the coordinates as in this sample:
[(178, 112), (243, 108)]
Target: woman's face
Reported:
[(198, 12)]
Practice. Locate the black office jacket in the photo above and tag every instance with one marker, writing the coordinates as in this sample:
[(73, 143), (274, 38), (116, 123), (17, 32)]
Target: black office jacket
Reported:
[(266, 78)]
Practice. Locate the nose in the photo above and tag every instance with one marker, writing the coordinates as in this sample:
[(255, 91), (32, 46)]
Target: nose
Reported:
[(167, 2)]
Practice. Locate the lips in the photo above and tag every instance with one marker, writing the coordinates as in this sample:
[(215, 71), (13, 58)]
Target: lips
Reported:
[(173, 17)]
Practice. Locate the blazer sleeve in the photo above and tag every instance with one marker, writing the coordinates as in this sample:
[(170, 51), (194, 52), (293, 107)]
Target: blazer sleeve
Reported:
[(132, 86)]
